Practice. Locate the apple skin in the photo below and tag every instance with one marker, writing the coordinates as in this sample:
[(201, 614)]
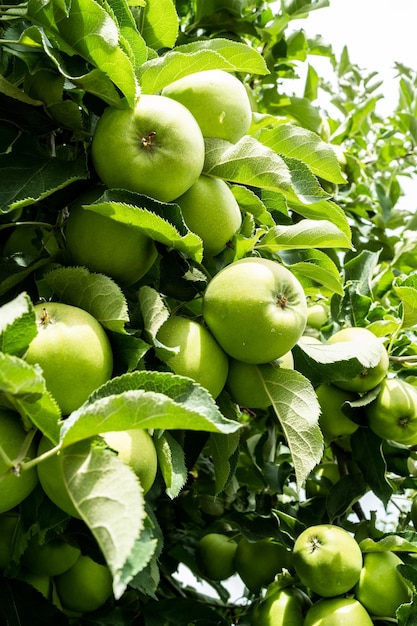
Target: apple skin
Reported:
[(245, 384), (85, 586), (256, 309), (73, 351), (337, 612), (136, 448), (155, 149), (381, 588), (106, 246), (369, 378), (327, 559), (258, 562), (334, 424), (281, 607), (321, 479), (317, 315), (218, 101), (200, 357), (14, 488), (210, 210), (49, 559), (215, 554), (393, 414)]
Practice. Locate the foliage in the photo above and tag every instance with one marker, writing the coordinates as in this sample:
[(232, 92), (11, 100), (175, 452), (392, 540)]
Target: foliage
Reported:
[(320, 191)]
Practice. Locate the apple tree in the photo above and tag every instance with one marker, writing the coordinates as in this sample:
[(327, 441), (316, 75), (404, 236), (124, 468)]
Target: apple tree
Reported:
[(208, 302)]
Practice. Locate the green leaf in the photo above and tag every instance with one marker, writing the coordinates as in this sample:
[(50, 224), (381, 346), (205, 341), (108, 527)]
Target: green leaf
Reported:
[(296, 142), (172, 463), (348, 490), (304, 234), (22, 387), (160, 24), (367, 452), (391, 543), (315, 270), (84, 27), (97, 294), (249, 202), (146, 399), (155, 313), (297, 409), (120, 10), (408, 297), (323, 210), (17, 325), (109, 498), (222, 448)]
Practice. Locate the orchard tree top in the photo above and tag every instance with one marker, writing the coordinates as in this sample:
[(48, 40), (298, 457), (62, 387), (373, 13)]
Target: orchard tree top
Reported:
[(149, 150)]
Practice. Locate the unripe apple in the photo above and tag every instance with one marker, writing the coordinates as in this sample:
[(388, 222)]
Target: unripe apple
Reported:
[(215, 554), (337, 612), (334, 424), (210, 210), (50, 558), (393, 414), (258, 562), (281, 607), (218, 101), (85, 586), (73, 351), (321, 479), (256, 309), (317, 315)]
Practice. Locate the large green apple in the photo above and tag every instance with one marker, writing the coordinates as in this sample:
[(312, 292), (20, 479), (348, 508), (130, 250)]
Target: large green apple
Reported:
[(199, 356), (155, 148), (393, 414), (256, 309), (51, 558), (337, 612), (215, 555), (14, 486), (210, 210), (258, 562), (85, 586), (106, 246), (136, 448), (334, 424), (327, 559), (217, 99), (381, 588), (245, 381), (369, 377), (73, 351), (321, 479), (8, 531), (281, 607)]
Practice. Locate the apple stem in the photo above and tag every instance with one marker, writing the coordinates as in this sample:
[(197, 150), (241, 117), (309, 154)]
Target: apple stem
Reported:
[(147, 141), (17, 465), (42, 457)]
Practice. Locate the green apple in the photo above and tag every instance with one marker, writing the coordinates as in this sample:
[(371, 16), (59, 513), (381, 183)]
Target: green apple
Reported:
[(73, 351), (245, 381), (317, 315), (321, 479), (393, 414), (31, 240), (337, 612), (215, 555), (210, 210), (14, 486), (327, 559), (334, 424), (51, 478), (85, 586), (41, 583), (199, 356), (136, 448), (256, 309), (369, 377), (258, 562), (50, 558), (155, 148), (8, 530), (381, 588), (106, 246), (218, 101), (281, 607)]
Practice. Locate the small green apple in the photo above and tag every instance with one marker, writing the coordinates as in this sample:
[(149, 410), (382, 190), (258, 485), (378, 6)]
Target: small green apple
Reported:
[(215, 555), (218, 101), (256, 309), (381, 588), (337, 612), (369, 377), (210, 210), (40, 582), (393, 414), (85, 586), (321, 479), (327, 559), (106, 246), (14, 486), (199, 356), (258, 562), (8, 529), (31, 240), (334, 424), (281, 607), (73, 351), (50, 558), (317, 315), (155, 148), (136, 448), (245, 381)]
